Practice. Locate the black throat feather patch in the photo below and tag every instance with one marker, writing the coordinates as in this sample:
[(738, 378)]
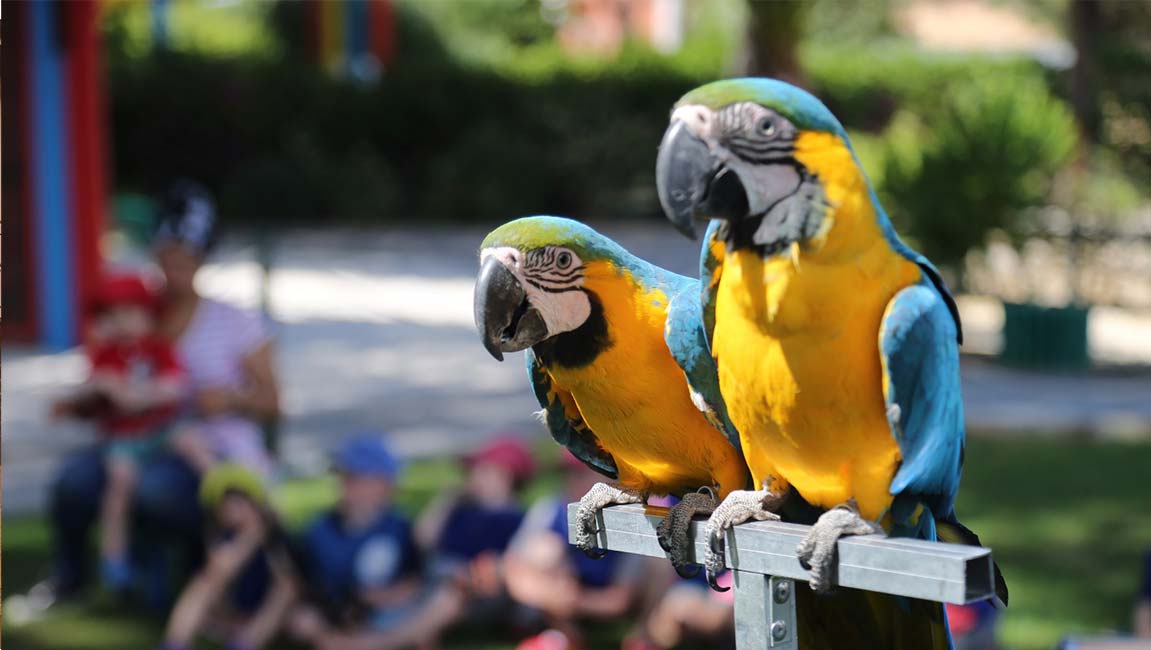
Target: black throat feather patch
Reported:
[(579, 347)]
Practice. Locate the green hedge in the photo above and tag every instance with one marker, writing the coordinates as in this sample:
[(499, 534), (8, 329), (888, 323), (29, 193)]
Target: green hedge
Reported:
[(280, 142)]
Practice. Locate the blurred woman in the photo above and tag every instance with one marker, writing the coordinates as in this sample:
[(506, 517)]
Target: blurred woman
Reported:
[(226, 351), (227, 354)]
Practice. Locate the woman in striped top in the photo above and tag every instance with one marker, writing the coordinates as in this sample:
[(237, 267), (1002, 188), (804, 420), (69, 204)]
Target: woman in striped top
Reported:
[(228, 357), (226, 351)]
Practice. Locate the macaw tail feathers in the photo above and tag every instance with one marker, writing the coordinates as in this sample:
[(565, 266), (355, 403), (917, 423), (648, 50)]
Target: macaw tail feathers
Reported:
[(950, 530)]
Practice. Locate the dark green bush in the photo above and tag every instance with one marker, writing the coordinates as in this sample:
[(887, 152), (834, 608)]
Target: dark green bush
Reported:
[(451, 142), (865, 86), (976, 164)]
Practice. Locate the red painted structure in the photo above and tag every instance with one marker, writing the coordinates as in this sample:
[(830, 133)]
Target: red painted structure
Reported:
[(56, 46), (87, 120)]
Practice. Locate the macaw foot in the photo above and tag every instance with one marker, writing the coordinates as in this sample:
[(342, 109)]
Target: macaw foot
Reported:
[(674, 532), (738, 507), (817, 551), (598, 497)]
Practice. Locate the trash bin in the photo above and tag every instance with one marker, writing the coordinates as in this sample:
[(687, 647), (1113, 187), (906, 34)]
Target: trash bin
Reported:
[(135, 216), (1045, 338)]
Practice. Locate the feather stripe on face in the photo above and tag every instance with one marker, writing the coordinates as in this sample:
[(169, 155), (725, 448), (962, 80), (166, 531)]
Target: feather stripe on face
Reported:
[(555, 292)]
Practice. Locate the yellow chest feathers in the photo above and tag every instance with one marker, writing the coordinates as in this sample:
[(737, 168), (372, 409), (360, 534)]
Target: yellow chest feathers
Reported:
[(635, 399), (796, 341)]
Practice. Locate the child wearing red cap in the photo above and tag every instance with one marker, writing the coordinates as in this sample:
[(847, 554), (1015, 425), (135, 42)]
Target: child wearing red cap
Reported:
[(132, 394), (484, 514)]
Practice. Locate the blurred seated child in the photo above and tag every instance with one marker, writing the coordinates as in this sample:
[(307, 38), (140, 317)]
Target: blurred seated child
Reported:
[(547, 575), (481, 518), (249, 580), (362, 564), (464, 534), (684, 609), (132, 394)]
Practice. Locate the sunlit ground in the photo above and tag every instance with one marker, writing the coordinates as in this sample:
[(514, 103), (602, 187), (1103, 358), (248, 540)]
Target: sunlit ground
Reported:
[(1068, 520)]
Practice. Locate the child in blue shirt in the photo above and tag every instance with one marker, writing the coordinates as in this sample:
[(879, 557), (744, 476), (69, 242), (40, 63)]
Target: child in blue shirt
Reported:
[(476, 522), (362, 564)]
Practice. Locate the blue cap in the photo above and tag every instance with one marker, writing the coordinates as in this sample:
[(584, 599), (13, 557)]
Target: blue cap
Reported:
[(367, 455)]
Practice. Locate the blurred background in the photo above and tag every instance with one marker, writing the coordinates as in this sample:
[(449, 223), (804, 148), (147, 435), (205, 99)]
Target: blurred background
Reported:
[(358, 150)]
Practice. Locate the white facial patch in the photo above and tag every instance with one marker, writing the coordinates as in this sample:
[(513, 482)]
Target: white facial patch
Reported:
[(551, 277), (698, 119)]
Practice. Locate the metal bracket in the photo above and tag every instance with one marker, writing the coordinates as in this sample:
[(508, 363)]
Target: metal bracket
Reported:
[(764, 612)]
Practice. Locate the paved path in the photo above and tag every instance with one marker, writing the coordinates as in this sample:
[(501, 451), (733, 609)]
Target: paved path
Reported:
[(375, 332)]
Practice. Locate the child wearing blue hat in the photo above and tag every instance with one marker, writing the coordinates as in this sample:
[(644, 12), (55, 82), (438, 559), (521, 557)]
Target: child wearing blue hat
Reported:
[(363, 565)]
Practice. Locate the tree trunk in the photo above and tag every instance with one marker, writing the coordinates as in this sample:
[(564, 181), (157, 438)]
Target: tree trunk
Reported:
[(773, 35), (1086, 17)]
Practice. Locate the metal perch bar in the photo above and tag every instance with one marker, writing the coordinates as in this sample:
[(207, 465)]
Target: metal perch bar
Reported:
[(762, 555)]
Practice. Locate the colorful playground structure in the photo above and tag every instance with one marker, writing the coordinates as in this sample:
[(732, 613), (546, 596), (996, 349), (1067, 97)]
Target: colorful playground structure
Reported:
[(54, 168), (56, 165)]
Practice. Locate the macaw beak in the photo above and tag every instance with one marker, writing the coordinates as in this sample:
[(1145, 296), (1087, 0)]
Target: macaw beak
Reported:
[(693, 184), (505, 318)]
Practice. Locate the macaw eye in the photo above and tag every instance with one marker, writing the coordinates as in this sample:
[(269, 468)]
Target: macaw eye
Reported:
[(564, 260), (767, 128)]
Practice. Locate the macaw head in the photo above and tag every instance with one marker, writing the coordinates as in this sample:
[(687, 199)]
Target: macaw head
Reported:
[(531, 284), (759, 154)]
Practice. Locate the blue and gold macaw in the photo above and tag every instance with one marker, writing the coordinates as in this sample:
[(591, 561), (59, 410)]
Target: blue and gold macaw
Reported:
[(836, 343), (617, 359)]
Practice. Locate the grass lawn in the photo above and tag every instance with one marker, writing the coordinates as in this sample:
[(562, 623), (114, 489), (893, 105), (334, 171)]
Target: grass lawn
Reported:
[(1069, 521)]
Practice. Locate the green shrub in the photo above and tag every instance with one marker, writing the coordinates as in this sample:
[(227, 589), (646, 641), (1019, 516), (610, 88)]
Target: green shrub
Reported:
[(865, 86), (271, 190), (456, 142), (990, 152)]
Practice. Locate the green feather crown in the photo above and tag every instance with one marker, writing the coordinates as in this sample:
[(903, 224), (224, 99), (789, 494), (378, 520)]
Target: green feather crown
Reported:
[(529, 233), (797, 105)]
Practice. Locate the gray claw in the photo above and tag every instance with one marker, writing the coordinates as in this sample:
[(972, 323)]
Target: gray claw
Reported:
[(738, 507), (817, 551), (715, 542), (599, 496)]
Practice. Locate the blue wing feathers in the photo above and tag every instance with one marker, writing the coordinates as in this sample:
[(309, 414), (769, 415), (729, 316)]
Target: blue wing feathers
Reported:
[(685, 338), (573, 435), (917, 342)]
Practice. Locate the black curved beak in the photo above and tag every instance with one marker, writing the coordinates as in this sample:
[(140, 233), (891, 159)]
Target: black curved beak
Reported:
[(504, 317), (692, 184)]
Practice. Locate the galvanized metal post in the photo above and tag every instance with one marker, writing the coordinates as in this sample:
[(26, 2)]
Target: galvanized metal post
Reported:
[(764, 612)]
